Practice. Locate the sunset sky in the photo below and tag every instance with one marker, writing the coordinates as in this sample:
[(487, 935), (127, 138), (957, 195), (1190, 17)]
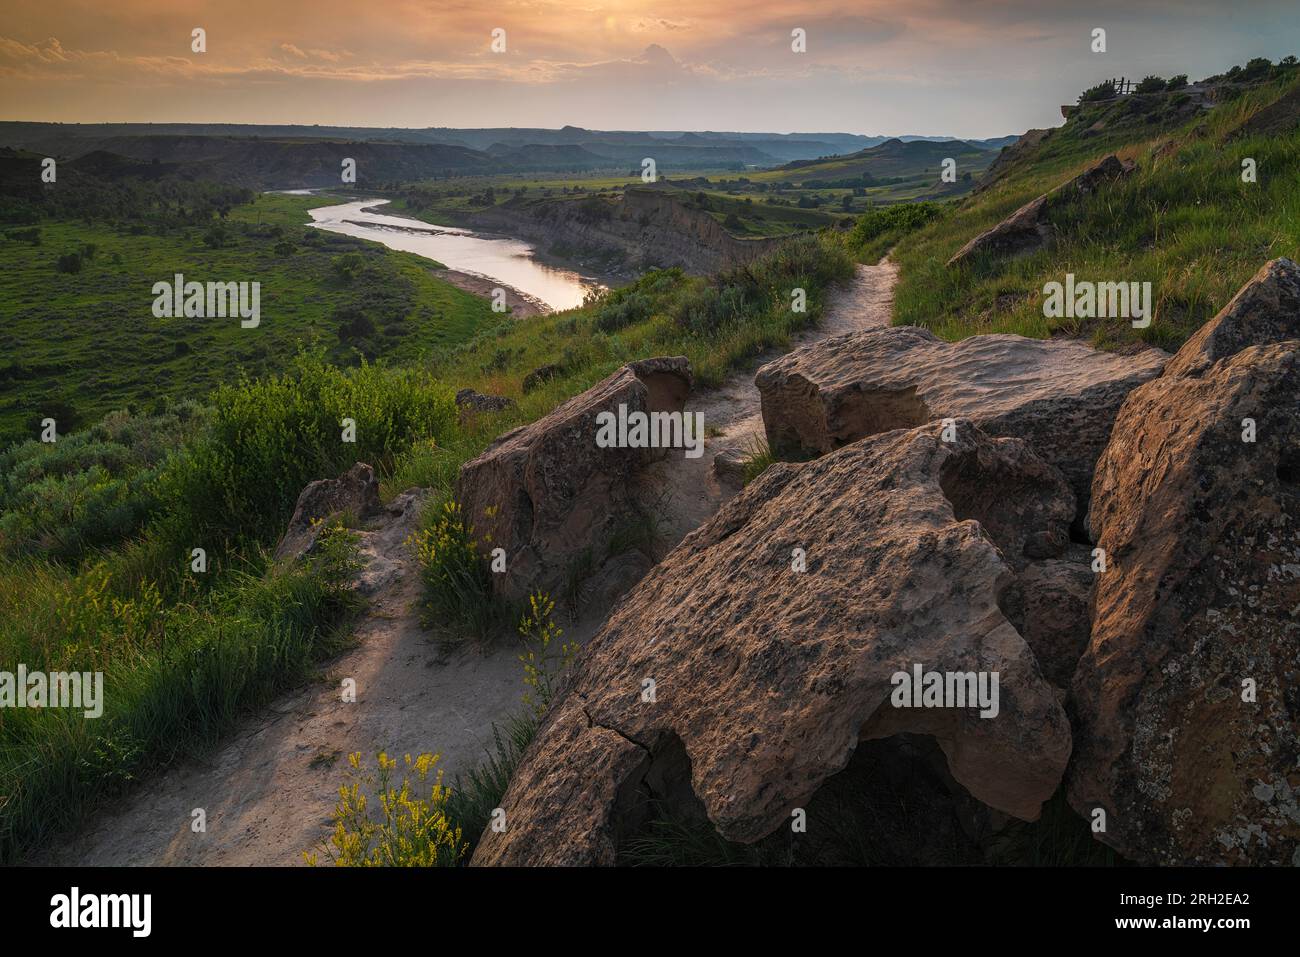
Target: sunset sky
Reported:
[(960, 67)]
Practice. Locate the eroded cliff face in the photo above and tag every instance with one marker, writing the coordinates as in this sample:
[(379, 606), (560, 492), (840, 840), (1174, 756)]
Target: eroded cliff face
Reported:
[(644, 229)]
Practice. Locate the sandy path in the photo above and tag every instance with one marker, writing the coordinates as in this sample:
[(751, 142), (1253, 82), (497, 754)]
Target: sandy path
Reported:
[(686, 488), (270, 791)]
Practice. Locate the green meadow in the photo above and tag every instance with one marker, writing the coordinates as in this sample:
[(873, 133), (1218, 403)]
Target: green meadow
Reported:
[(79, 345)]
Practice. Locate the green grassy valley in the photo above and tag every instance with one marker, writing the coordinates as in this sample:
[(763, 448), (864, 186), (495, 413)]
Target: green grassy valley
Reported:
[(140, 543), (80, 344)]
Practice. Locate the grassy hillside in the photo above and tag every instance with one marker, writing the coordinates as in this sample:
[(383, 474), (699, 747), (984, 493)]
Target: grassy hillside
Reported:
[(1185, 221), (79, 345), (893, 158)]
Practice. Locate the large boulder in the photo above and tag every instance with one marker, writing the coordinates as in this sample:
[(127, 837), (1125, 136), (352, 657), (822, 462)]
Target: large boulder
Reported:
[(547, 494), (1027, 230), (731, 677), (1188, 720), (1023, 232), (1059, 395), (1266, 309), (355, 493)]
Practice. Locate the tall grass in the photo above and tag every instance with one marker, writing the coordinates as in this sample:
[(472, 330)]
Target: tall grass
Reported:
[(476, 794), (175, 675), (1185, 222), (182, 653)]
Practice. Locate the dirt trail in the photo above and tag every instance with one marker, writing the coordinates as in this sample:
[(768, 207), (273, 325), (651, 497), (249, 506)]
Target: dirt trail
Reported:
[(269, 792), (686, 489)]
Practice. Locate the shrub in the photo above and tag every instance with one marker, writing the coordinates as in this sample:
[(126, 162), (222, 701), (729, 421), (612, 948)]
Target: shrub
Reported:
[(268, 438), (410, 831), (216, 236), (93, 487), (457, 581), (1257, 68), (900, 220), (353, 323), (69, 263), (1102, 91), (1176, 82), (31, 236), (623, 308), (347, 267), (1151, 84)]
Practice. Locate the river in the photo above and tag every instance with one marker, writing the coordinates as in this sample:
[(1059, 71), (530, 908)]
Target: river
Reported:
[(510, 262)]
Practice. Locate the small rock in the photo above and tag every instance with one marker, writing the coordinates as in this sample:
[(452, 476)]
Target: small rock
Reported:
[(470, 402), (355, 491), (729, 467)]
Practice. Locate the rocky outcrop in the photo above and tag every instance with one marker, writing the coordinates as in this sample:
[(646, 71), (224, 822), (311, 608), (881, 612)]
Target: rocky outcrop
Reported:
[(647, 227), (1059, 395), (1011, 156), (1187, 718), (355, 492), (731, 676), (546, 493), (1266, 309), (540, 376), (1027, 230), (383, 543), (1277, 119)]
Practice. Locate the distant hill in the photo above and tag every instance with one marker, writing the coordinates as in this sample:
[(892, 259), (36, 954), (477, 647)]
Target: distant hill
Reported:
[(894, 160), (298, 156)]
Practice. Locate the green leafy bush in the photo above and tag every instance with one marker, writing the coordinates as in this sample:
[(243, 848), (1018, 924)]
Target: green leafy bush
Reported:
[(900, 219), (623, 308), (268, 438), (91, 488), (1102, 91)]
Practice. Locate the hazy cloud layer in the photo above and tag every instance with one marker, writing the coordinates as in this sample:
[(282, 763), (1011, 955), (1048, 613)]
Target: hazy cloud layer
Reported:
[(964, 67)]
